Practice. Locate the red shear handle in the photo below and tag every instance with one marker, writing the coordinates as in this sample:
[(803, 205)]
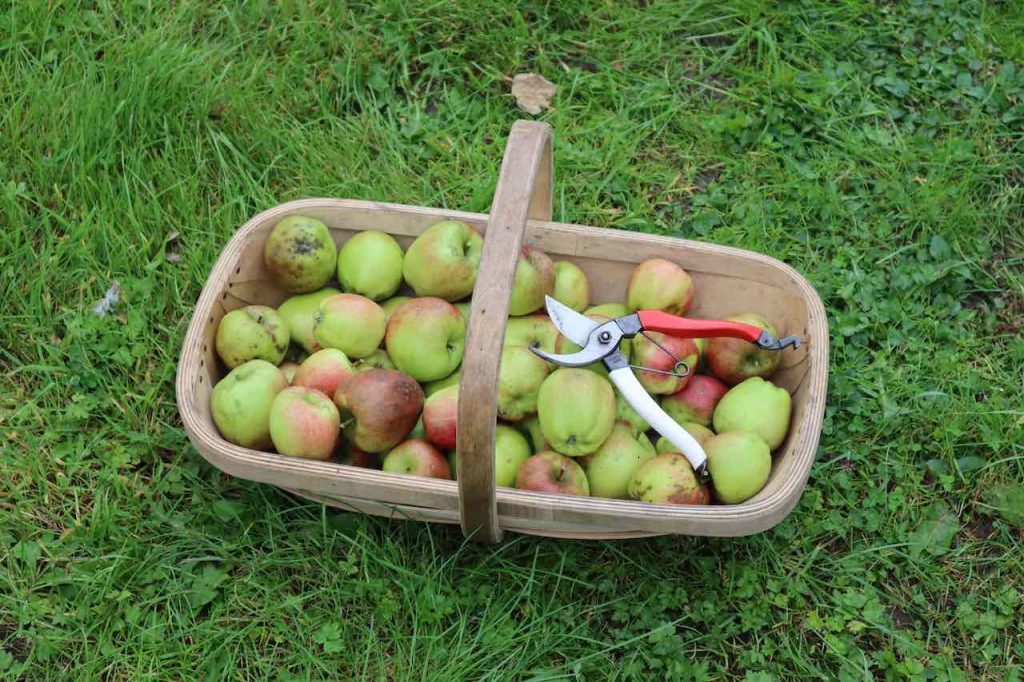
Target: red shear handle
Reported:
[(656, 320)]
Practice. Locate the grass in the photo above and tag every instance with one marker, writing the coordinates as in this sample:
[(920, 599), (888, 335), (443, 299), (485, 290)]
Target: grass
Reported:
[(876, 147)]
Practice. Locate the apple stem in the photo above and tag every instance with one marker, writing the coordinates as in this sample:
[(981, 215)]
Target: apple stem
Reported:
[(348, 422)]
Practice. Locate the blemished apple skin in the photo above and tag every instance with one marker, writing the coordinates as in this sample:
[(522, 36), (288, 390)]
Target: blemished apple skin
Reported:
[(648, 354), (300, 254), (443, 260), (571, 286), (300, 312), (659, 284), (417, 458), (370, 264), (610, 468), (324, 371), (425, 338), (739, 463), (519, 382), (379, 408), (578, 426), (351, 323), (757, 406), (440, 415), (254, 332), (735, 360), (241, 401), (667, 479), (304, 423), (552, 472), (696, 401)]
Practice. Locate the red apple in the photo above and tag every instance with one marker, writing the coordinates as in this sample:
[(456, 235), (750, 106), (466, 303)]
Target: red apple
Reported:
[(379, 408), (440, 412), (648, 354), (419, 458), (304, 423), (697, 401), (550, 472), (324, 371), (734, 360), (659, 284)]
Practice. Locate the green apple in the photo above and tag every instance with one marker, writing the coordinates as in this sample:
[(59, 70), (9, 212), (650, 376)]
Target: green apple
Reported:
[(699, 432), (389, 306), (696, 401), (531, 428), (254, 332), (240, 403), (419, 432), (576, 409), (304, 423), (379, 408), (733, 360), (571, 285), (519, 381), (612, 465), (443, 260), (432, 387), (649, 351), (351, 323), (425, 338), (300, 254), (659, 284), (534, 279), (324, 371), (532, 330), (551, 472), (757, 406), (418, 458), (739, 463), (370, 264), (377, 359), (463, 309), (510, 451), (299, 312), (610, 310), (667, 479)]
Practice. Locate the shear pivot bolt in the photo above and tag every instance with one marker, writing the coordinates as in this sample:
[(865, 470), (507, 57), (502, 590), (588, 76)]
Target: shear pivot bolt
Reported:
[(604, 337)]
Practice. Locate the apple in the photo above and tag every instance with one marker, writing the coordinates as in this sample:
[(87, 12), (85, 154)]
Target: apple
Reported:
[(379, 408), (419, 458), (289, 369), (739, 463), (240, 403), (443, 260), (300, 254), (610, 310), (648, 354), (364, 460), (351, 323), (432, 387), (699, 432), (624, 412), (696, 401), (419, 432), (757, 406), (370, 264), (463, 309), (519, 381), (304, 423), (531, 427), (440, 414), (510, 450), (551, 472), (534, 279), (378, 359), (659, 284), (571, 286), (299, 312), (576, 409), (425, 338), (389, 306), (667, 479), (612, 465), (733, 360), (453, 463), (254, 332), (532, 330), (324, 371)]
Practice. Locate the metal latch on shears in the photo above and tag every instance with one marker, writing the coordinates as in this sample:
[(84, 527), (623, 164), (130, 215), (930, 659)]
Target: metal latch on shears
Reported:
[(600, 343)]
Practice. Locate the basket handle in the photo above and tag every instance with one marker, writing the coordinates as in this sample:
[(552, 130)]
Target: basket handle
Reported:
[(523, 192)]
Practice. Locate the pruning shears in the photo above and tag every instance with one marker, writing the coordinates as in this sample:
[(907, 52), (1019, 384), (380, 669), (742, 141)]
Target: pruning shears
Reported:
[(600, 343)]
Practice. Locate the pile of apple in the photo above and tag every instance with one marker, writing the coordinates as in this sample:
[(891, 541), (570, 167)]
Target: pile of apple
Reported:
[(370, 378)]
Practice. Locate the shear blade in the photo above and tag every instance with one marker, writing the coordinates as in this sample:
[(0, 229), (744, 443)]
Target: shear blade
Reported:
[(587, 356), (571, 324)]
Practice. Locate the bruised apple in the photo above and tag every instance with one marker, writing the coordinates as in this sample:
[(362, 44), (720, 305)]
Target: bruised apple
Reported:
[(379, 408)]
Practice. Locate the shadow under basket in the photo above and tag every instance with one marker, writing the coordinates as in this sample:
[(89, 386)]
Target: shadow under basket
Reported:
[(726, 280)]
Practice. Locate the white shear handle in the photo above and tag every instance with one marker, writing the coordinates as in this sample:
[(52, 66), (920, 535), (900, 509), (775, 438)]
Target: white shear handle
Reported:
[(646, 407)]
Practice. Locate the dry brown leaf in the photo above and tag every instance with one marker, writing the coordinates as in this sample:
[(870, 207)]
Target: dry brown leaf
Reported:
[(533, 92)]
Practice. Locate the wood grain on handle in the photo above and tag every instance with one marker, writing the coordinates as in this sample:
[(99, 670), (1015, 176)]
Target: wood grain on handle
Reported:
[(523, 191)]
